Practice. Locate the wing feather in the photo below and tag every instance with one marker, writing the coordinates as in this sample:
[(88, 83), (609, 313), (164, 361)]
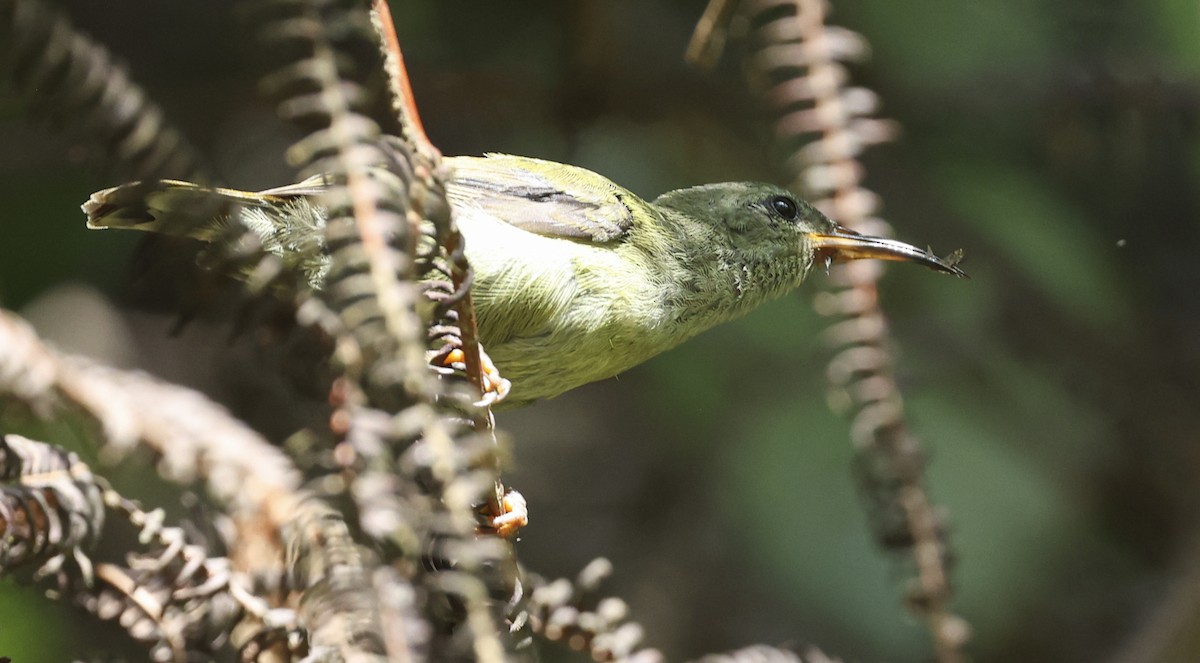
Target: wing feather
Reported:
[(542, 197)]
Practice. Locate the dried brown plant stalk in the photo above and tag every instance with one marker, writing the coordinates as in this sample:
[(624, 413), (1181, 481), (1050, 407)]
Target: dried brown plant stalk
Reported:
[(822, 124)]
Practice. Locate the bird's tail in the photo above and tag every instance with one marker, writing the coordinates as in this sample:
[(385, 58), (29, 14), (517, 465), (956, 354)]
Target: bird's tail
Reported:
[(170, 207)]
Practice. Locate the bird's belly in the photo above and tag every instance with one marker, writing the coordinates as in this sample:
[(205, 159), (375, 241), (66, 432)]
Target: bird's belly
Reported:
[(556, 314), (567, 357)]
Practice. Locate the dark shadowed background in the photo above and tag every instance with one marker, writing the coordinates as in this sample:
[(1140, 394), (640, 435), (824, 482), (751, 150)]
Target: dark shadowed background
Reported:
[(1057, 391)]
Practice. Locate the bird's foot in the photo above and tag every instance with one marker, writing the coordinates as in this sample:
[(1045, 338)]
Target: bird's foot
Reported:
[(493, 385), (506, 517)]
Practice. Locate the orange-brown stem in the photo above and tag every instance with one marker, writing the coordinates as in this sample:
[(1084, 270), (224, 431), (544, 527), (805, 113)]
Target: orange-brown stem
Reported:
[(410, 117)]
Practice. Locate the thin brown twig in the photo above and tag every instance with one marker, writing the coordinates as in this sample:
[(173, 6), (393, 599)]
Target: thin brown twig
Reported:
[(406, 107), (472, 350), (410, 118), (404, 102)]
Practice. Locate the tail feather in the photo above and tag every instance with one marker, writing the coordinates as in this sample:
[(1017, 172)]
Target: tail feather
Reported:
[(286, 220), (171, 207)]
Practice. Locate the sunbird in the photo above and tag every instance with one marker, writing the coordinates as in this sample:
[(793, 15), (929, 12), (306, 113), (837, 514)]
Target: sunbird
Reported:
[(576, 278)]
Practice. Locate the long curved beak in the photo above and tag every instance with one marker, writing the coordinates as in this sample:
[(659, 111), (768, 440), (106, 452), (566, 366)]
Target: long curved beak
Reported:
[(845, 244)]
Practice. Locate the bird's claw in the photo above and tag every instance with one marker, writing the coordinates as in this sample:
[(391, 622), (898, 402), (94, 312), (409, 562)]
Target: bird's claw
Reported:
[(493, 386), (509, 518)]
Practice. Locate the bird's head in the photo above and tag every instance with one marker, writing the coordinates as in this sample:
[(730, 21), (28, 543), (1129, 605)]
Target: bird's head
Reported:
[(763, 223)]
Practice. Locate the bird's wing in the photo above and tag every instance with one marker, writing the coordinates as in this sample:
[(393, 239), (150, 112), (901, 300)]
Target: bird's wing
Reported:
[(542, 197)]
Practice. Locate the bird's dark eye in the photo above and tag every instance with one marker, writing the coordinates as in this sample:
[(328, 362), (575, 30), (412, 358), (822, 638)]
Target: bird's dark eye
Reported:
[(783, 206)]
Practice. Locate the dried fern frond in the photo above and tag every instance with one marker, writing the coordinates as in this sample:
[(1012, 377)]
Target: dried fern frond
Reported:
[(765, 654), (412, 467), (572, 613), (167, 592), (51, 507), (74, 82), (795, 65), (192, 438)]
